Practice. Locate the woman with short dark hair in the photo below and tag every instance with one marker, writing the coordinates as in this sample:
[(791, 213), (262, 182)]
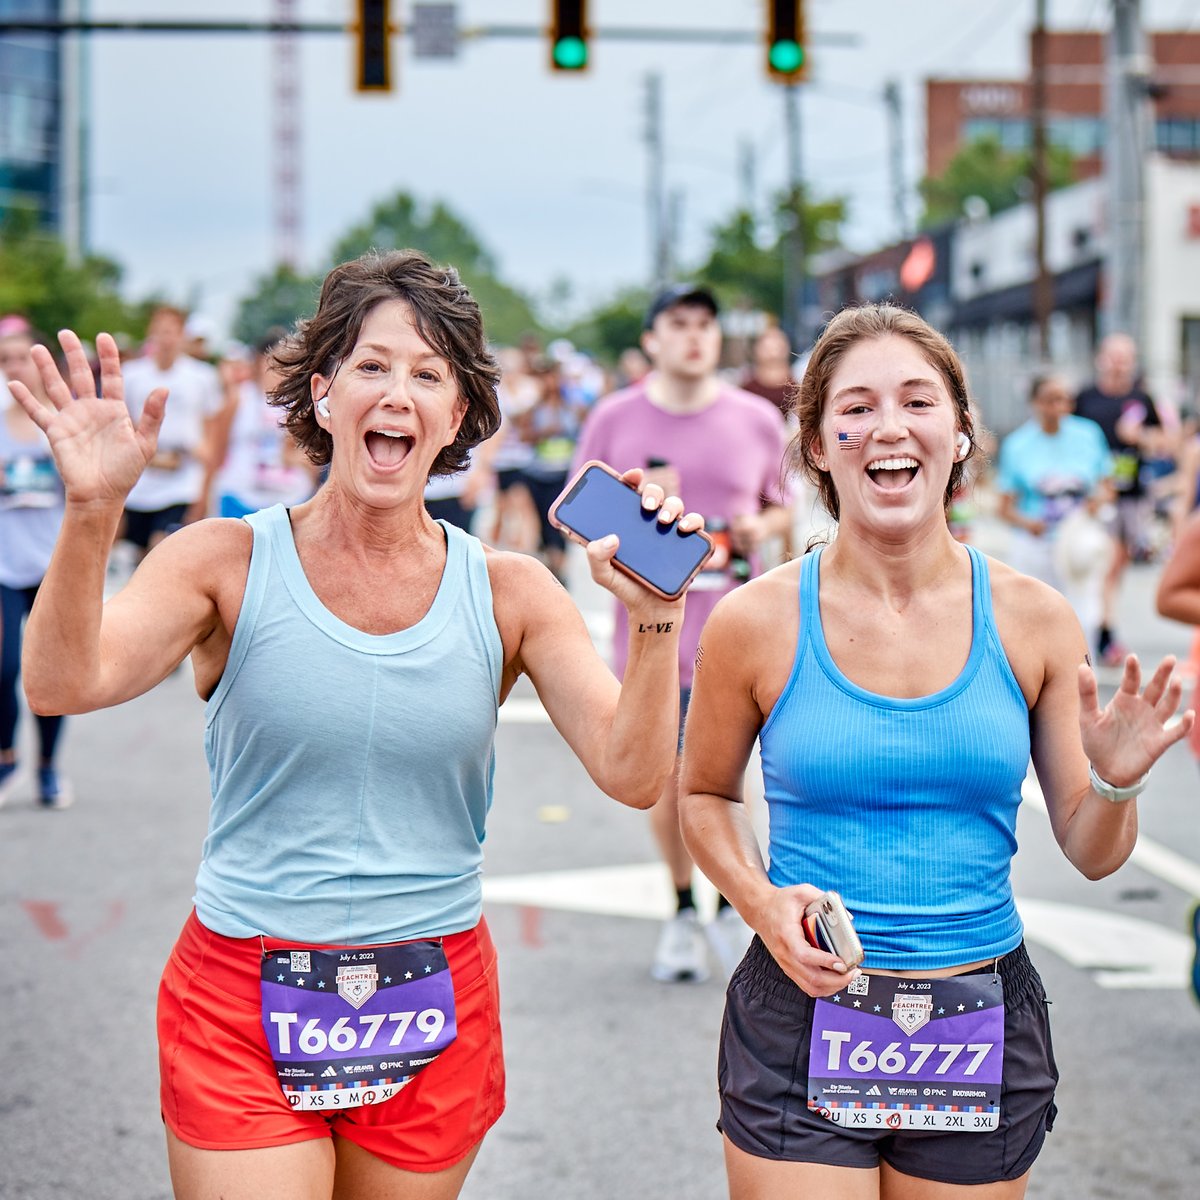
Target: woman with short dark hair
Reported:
[(328, 1020)]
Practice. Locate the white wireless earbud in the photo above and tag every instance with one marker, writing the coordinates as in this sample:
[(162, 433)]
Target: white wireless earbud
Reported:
[(323, 407), (962, 447)]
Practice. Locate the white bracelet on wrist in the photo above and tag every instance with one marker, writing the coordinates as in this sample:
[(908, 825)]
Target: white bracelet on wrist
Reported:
[(1109, 791)]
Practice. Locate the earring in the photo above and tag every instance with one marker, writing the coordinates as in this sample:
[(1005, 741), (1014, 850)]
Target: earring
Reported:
[(962, 447), (323, 407)]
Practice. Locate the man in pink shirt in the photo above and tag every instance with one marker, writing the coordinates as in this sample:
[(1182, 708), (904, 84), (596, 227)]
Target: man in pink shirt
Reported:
[(722, 450)]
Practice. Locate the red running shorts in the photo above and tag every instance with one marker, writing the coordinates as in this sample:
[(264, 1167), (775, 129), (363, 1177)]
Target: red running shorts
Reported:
[(219, 1090)]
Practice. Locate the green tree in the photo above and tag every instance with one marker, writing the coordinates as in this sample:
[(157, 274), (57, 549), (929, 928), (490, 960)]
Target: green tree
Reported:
[(997, 176), (279, 299), (613, 326), (401, 223), (744, 268), (39, 279)]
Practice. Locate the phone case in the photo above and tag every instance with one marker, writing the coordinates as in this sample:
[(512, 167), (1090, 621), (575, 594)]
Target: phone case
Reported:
[(826, 920), (577, 537)]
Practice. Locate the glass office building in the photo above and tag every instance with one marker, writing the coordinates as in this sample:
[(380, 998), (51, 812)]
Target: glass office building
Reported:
[(30, 114)]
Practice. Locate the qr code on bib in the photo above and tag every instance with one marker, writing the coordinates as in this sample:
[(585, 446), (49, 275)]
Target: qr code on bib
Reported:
[(301, 960)]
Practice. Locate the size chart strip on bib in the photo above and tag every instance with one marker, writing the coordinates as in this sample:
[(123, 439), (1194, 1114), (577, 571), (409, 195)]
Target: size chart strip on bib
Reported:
[(336, 1096)]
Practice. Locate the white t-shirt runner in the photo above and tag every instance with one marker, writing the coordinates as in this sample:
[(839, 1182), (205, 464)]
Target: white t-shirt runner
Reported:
[(195, 395)]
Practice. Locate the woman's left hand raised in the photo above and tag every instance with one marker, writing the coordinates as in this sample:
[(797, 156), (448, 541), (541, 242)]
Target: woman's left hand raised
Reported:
[(1126, 737), (600, 553)]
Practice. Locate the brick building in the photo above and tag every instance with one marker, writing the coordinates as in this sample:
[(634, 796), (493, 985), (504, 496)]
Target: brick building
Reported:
[(957, 111)]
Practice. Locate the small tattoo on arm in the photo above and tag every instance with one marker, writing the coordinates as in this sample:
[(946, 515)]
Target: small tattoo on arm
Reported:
[(699, 657), (656, 627)]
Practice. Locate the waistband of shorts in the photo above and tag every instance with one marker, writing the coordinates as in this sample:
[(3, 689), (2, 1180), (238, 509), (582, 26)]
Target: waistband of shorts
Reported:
[(234, 964), (766, 977)]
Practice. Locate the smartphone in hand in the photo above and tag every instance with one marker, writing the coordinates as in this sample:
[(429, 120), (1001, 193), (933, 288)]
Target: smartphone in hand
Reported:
[(827, 926), (598, 502)]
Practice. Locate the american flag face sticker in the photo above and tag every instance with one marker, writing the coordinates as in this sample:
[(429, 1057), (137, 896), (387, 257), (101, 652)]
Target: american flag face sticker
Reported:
[(849, 439)]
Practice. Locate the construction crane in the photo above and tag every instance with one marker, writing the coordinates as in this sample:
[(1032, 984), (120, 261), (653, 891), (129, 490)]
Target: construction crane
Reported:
[(286, 147)]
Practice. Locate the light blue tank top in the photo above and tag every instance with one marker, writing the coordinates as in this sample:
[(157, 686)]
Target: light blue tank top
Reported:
[(351, 773), (907, 807)]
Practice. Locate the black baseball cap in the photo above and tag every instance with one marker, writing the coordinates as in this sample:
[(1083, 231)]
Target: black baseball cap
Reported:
[(681, 293)]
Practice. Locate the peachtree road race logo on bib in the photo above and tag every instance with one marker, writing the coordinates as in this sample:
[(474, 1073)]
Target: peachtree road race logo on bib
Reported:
[(909, 1012), (356, 984)]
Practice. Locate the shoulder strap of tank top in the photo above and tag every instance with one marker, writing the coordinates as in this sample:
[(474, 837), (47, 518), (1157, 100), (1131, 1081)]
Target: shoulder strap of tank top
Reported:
[(478, 586), (262, 524), (810, 591), (981, 590)]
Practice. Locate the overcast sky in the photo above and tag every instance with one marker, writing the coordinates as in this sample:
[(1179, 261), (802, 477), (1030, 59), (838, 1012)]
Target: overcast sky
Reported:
[(549, 170)]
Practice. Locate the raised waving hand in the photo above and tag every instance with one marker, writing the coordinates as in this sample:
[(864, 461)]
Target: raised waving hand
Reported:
[(98, 450), (1126, 737)]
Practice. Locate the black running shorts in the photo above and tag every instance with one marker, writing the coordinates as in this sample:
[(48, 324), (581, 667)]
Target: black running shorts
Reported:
[(762, 1075)]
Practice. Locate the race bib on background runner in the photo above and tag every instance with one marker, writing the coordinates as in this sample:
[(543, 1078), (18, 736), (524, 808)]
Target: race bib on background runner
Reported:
[(909, 1054), (28, 482), (353, 1026)]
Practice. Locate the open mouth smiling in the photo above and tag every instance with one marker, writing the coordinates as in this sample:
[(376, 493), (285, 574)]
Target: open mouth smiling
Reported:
[(388, 448), (893, 473)]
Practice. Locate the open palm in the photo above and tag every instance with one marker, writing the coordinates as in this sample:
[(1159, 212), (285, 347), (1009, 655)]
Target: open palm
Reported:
[(97, 448), (1126, 737)]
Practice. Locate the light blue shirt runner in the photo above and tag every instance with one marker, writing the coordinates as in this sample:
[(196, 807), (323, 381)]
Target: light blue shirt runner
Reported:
[(351, 773)]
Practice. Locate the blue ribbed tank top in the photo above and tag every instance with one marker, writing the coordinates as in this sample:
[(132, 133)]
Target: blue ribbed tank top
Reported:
[(907, 807), (351, 773)]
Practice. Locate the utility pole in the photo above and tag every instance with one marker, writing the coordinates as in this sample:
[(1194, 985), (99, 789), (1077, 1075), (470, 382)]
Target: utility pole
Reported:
[(655, 195), (891, 99), (748, 177), (674, 230), (1124, 170), (793, 259), (1043, 282)]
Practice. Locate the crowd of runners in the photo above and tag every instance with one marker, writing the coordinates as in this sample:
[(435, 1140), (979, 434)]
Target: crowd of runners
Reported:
[(346, 529)]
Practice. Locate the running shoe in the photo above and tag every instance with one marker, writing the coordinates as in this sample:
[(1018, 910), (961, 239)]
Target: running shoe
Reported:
[(8, 780), (53, 790), (729, 936), (681, 956), (1114, 654), (1196, 960)]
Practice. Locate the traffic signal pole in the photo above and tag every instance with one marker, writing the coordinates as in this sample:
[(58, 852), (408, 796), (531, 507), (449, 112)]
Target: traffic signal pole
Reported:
[(794, 270), (613, 33)]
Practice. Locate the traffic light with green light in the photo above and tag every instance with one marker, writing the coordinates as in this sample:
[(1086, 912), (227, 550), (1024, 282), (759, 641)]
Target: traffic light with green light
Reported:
[(568, 35), (373, 46), (787, 45)]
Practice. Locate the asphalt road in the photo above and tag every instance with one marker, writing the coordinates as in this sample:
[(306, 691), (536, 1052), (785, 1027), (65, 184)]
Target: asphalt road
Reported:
[(611, 1076)]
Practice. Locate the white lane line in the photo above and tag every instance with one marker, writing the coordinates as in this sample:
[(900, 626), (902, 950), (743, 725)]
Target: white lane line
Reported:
[(640, 890), (523, 710), (1118, 951), (1148, 854)]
